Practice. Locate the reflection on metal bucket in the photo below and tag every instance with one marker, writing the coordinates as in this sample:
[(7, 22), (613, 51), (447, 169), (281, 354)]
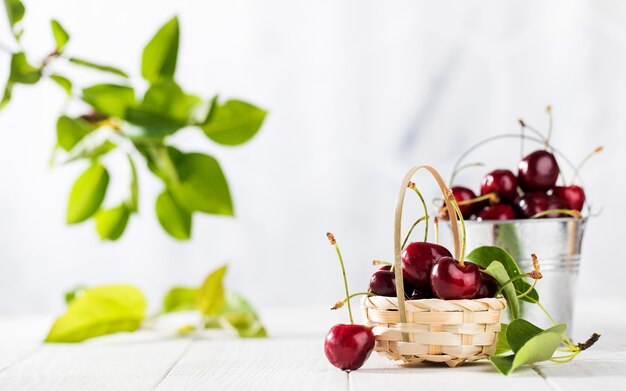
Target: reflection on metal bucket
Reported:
[(557, 244)]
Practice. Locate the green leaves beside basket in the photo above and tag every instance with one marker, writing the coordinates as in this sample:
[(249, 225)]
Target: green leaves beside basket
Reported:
[(109, 309), (119, 119), (521, 342)]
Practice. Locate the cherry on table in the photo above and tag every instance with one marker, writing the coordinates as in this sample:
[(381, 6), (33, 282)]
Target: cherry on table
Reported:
[(347, 346), (501, 182), (573, 196), (496, 212), (538, 171), (451, 280), (418, 259)]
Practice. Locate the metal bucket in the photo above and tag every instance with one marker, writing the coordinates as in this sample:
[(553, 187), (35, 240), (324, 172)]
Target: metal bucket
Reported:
[(556, 242)]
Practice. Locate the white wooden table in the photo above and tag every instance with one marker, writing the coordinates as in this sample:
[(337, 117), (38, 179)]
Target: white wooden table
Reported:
[(292, 359)]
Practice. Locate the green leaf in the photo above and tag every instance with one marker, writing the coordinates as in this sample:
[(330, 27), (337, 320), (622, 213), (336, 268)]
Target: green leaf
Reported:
[(63, 82), (72, 130), (90, 150), (211, 294), (133, 200), (536, 348), (15, 12), (99, 67), (484, 255), (502, 345), (519, 332), (110, 99), (233, 122), (87, 193), (160, 55), (175, 220), (60, 35), (180, 298), (111, 223), (201, 185), (167, 98), (6, 96), (22, 72), (100, 311), (497, 271), (146, 125), (242, 317)]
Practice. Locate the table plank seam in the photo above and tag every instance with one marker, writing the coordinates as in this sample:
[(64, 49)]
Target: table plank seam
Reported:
[(176, 361), (21, 358)]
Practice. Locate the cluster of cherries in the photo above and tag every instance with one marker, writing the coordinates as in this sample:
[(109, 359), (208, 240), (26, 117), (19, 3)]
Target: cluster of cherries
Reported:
[(532, 193)]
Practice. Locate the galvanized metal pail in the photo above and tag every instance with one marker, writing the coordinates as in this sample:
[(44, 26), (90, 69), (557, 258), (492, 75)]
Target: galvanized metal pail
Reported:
[(557, 244)]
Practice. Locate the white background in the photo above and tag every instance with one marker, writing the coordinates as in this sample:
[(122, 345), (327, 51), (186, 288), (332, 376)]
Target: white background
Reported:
[(358, 91)]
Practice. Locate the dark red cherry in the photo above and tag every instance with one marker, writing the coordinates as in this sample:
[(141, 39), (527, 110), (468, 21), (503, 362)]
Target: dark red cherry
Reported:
[(450, 280), (501, 182), (418, 295), (530, 204), (385, 267), (555, 203), (383, 283), (488, 287), (418, 259), (464, 194), (573, 196), (538, 171), (347, 346), (496, 212)]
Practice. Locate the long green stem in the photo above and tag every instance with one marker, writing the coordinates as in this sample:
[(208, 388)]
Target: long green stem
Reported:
[(425, 212), (532, 286), (511, 280), (332, 240), (464, 232), (408, 234), (569, 212), (340, 304)]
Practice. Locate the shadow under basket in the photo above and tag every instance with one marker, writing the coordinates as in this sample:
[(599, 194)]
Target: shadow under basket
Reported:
[(449, 331)]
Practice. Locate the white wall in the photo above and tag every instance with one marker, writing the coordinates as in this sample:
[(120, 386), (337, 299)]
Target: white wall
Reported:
[(358, 91)]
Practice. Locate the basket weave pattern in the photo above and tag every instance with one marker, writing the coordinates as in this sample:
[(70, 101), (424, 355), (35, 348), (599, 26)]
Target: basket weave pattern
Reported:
[(450, 331)]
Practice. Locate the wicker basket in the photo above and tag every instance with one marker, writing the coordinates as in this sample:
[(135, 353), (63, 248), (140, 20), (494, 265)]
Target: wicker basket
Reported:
[(450, 331)]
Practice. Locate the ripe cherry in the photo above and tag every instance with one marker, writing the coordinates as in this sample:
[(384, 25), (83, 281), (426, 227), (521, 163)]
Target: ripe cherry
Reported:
[(383, 283), (347, 346), (573, 196), (418, 259), (530, 204), (464, 194), (501, 182), (538, 171), (488, 287), (451, 280), (496, 212)]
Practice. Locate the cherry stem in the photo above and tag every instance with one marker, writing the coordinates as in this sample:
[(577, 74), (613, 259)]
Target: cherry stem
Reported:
[(378, 262), (528, 290), (586, 158), (511, 280), (333, 242), (549, 111), (412, 227), (340, 303), (436, 224), (463, 167), (570, 212), (452, 201), (412, 186), (492, 197), (566, 339)]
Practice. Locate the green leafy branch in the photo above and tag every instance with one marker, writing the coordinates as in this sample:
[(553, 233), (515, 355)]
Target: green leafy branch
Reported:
[(117, 118), (103, 310), (521, 342)]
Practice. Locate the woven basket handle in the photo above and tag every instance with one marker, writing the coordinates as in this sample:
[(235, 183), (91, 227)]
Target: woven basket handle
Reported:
[(398, 225)]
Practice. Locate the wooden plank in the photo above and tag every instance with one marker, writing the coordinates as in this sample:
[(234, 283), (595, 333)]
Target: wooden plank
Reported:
[(256, 364), (138, 365), (379, 373)]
